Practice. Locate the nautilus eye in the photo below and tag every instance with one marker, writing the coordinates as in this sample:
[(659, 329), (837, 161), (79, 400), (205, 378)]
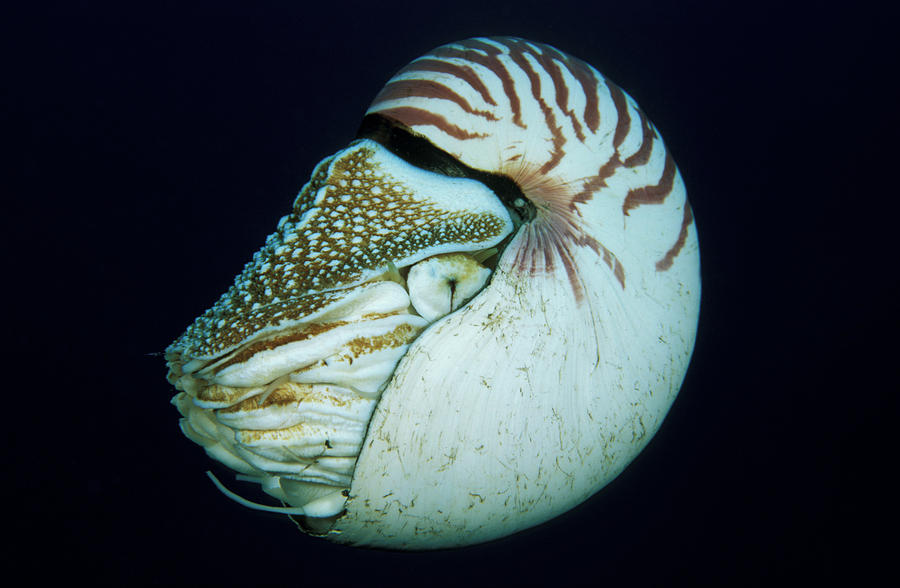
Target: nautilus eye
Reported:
[(473, 318)]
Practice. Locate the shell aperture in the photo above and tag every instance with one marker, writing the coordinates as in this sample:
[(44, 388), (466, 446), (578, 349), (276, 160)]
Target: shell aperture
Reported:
[(417, 359)]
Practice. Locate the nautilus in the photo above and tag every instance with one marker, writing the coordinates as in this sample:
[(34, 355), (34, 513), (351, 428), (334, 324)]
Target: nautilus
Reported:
[(474, 317)]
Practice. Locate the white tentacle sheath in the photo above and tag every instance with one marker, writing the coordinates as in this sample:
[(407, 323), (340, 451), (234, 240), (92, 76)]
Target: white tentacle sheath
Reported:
[(427, 354)]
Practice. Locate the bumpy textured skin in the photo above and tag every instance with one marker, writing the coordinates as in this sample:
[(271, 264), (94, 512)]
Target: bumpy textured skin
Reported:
[(544, 387), (349, 222)]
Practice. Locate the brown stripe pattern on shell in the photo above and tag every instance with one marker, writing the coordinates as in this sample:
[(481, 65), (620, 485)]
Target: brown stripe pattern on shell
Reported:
[(554, 125)]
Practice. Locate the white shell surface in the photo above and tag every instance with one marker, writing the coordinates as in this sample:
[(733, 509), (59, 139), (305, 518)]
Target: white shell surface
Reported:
[(509, 412)]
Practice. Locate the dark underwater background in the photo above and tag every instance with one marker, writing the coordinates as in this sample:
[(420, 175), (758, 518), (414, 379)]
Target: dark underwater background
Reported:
[(152, 147)]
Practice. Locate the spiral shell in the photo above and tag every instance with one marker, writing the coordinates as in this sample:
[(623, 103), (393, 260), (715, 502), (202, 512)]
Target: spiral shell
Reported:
[(473, 319)]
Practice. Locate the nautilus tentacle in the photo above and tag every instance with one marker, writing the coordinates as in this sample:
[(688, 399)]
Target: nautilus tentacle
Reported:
[(474, 317)]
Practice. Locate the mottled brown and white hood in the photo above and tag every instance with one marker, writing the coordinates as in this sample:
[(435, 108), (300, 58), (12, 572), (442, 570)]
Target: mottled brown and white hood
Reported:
[(473, 318)]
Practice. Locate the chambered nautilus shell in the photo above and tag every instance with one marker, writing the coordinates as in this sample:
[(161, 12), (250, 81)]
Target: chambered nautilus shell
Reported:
[(474, 317)]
